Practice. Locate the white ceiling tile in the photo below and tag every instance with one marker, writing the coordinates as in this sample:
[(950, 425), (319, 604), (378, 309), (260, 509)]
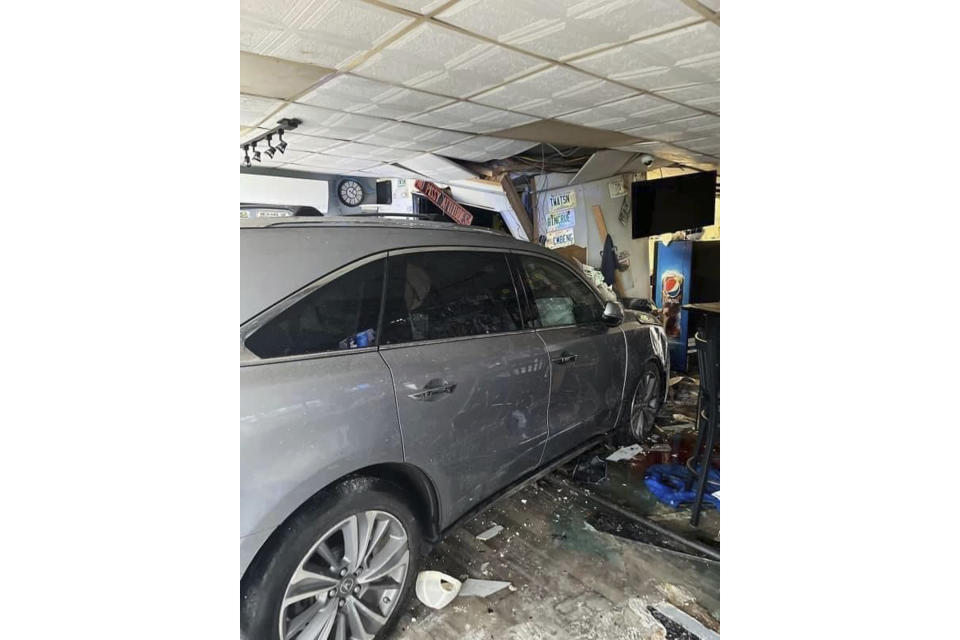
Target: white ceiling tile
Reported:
[(709, 145), (629, 113), (447, 62), (475, 118), (659, 80), (553, 91), (330, 124), (483, 148), (687, 56), (705, 96), (713, 5), (348, 92), (560, 29), (437, 168), (367, 152), (330, 33), (677, 130), (253, 109), (388, 170), (422, 7), (336, 163), (402, 135)]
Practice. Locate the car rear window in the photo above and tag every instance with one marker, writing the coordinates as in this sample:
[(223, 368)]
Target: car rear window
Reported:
[(340, 315)]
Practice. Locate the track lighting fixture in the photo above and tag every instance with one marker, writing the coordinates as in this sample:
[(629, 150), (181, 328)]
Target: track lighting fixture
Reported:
[(285, 124)]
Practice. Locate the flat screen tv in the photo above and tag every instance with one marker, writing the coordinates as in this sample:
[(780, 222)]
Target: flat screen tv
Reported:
[(673, 204)]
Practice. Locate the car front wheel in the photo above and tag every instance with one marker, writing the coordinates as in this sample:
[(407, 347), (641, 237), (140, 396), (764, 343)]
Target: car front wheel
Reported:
[(646, 403), (340, 569)]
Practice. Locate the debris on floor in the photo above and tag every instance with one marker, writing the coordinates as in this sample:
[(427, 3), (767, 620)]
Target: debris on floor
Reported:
[(624, 453), (649, 627), (592, 469), (436, 589), (490, 533), (680, 624), (482, 588)]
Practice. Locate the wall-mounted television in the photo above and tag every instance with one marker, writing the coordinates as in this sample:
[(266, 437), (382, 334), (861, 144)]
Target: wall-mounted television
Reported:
[(673, 204)]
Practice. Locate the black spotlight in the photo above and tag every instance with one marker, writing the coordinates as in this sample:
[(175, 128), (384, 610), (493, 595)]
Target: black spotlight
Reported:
[(270, 148), (256, 154), (281, 146), (246, 156)]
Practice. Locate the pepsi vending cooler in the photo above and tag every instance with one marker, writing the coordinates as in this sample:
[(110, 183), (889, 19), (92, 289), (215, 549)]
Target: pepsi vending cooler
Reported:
[(671, 291)]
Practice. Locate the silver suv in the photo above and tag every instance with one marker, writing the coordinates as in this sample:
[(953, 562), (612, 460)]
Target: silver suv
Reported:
[(395, 378)]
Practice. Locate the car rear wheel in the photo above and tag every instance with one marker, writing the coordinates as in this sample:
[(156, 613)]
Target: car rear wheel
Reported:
[(646, 403), (340, 569)]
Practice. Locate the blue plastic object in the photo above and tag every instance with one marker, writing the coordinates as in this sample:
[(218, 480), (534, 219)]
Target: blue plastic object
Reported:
[(674, 485)]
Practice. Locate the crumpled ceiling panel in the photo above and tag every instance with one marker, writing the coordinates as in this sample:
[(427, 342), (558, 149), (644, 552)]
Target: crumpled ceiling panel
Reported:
[(483, 148)]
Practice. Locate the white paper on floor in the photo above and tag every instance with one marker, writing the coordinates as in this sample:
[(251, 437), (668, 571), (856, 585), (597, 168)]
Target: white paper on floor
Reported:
[(482, 588), (491, 532), (624, 453)]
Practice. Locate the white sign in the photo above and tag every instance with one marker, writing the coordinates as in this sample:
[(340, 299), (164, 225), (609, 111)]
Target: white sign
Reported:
[(561, 238), (617, 188), (565, 200), (564, 219)]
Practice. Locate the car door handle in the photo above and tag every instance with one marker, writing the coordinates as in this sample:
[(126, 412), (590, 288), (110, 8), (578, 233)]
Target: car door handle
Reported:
[(433, 390), (565, 358)]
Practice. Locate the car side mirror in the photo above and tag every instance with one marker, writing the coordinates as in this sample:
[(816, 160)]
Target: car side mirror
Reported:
[(613, 314)]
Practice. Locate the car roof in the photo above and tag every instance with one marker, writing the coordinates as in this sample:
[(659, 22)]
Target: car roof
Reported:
[(362, 221)]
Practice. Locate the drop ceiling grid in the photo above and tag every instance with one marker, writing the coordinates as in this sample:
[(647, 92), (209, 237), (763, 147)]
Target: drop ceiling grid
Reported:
[(470, 56)]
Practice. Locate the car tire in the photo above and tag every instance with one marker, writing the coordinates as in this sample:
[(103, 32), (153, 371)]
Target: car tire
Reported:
[(645, 403), (277, 593)]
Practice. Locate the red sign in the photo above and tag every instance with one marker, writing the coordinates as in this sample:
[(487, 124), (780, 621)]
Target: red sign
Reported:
[(447, 204)]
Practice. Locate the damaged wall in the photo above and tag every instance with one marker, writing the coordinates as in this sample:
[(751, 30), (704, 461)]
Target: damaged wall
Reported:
[(636, 279)]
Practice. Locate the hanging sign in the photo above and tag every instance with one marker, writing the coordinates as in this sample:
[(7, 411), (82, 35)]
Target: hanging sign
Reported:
[(561, 238), (447, 204), (563, 200), (563, 219)]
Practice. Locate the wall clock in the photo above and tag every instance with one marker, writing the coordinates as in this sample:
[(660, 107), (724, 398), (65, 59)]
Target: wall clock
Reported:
[(350, 193)]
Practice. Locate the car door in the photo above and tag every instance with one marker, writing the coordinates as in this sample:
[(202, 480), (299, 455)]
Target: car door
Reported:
[(472, 383), (587, 357), (317, 400)]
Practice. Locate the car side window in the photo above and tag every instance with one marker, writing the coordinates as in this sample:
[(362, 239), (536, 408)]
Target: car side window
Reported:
[(448, 294), (341, 314), (559, 297)]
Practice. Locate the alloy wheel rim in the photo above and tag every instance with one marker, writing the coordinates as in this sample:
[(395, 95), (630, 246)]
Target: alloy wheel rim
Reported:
[(349, 582), (643, 409)]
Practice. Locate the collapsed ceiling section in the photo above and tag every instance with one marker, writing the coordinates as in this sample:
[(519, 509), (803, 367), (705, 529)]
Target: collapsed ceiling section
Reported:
[(447, 88)]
